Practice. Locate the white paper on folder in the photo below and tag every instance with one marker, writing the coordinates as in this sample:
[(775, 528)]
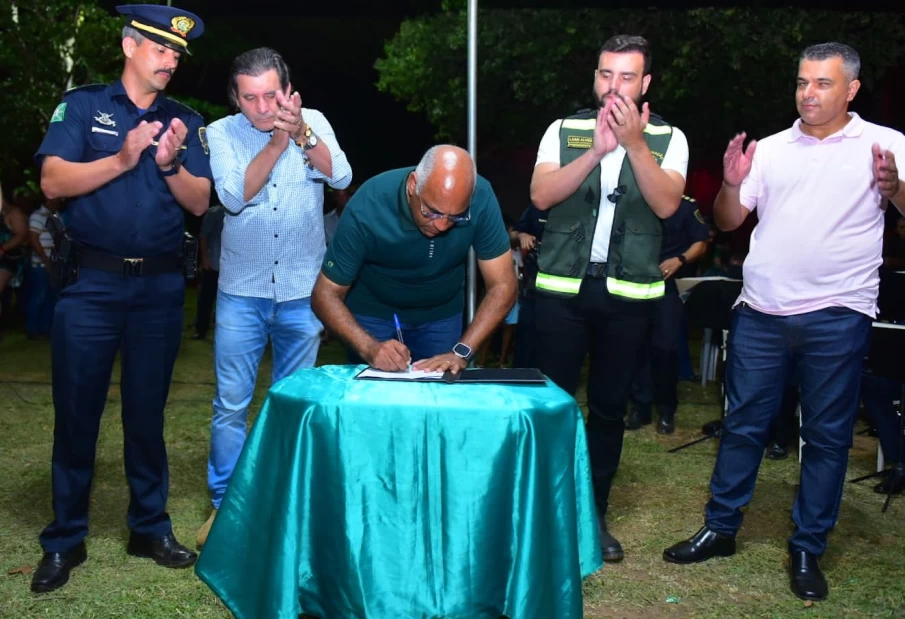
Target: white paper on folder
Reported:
[(409, 374)]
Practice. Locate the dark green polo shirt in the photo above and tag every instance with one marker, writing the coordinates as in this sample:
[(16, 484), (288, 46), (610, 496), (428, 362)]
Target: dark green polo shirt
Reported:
[(393, 268)]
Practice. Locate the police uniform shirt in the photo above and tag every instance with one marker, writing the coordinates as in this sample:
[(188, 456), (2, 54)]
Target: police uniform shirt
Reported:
[(682, 230), (135, 214)]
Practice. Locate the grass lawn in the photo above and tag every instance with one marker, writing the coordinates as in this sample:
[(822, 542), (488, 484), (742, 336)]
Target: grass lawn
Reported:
[(658, 499)]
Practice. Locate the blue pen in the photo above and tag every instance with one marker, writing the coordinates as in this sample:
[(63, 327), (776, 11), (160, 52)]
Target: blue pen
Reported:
[(398, 329)]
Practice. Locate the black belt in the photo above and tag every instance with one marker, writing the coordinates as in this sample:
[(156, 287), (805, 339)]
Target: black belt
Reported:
[(92, 259), (597, 270)]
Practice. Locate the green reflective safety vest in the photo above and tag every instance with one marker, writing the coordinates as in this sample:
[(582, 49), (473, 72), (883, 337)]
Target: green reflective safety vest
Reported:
[(633, 265)]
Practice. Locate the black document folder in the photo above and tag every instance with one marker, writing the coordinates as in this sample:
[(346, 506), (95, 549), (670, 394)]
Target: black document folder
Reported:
[(497, 375)]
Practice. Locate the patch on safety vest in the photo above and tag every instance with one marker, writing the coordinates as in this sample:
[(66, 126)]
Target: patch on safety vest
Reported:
[(579, 141)]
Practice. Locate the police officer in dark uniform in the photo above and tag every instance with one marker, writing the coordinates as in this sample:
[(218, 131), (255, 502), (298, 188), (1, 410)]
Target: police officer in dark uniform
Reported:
[(685, 238), (130, 160)]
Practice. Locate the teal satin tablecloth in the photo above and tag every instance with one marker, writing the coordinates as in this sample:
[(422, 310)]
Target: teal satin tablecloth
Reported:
[(390, 500)]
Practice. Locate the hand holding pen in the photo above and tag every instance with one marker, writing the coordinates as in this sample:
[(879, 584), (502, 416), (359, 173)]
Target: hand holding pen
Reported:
[(391, 355)]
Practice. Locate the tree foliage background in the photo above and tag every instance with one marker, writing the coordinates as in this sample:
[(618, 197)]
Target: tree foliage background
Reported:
[(46, 48), (716, 71), (49, 46)]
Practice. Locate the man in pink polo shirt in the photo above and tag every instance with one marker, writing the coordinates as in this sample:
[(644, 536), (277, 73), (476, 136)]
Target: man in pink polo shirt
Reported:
[(810, 292)]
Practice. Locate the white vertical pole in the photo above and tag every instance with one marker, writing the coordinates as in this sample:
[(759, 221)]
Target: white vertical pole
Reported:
[(471, 267)]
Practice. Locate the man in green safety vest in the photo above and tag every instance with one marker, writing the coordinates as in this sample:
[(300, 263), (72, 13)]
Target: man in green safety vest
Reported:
[(606, 179)]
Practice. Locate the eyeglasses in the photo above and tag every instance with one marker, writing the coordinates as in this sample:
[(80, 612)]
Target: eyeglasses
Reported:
[(430, 213)]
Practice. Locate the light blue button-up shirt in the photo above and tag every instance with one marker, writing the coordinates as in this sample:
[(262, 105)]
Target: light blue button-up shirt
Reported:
[(272, 245)]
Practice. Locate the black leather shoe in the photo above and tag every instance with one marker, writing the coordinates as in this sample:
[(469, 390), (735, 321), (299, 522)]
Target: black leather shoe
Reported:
[(705, 544), (805, 576), (638, 418), (612, 549), (53, 570), (777, 452), (667, 423), (165, 551)]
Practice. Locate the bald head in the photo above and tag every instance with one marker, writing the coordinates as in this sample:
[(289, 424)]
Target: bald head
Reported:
[(447, 172)]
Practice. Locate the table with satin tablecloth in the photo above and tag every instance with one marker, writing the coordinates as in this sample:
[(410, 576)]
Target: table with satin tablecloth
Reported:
[(391, 500)]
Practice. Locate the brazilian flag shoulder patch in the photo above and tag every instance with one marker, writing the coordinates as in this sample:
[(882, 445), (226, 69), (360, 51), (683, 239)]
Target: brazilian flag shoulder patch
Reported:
[(59, 114)]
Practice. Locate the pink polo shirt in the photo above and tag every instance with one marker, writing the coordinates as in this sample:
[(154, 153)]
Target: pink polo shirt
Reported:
[(819, 238)]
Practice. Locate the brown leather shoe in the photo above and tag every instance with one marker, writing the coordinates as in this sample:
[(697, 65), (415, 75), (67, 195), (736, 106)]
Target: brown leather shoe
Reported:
[(205, 529)]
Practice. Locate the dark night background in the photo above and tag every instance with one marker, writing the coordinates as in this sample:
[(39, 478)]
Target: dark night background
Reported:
[(331, 48)]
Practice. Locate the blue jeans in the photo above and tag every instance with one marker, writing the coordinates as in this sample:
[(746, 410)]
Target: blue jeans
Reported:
[(424, 340), (243, 326), (825, 349), (41, 301)]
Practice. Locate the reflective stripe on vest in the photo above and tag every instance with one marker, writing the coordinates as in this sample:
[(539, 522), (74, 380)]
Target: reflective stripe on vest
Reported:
[(622, 288), (557, 283), (618, 287)]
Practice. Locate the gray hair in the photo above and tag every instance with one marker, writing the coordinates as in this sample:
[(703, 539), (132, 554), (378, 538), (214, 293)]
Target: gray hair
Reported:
[(428, 163), (851, 61), (132, 33), (254, 63)]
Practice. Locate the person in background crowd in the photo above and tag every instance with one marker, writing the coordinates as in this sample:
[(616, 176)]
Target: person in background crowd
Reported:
[(42, 298), (209, 256), (685, 238), (13, 251), (530, 233), (894, 247), (336, 201), (507, 330)]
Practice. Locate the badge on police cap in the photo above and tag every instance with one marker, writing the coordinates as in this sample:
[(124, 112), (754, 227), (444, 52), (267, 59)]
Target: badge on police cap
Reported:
[(167, 25)]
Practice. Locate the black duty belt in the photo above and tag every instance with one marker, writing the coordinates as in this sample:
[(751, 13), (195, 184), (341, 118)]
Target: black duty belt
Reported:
[(597, 270), (92, 259)]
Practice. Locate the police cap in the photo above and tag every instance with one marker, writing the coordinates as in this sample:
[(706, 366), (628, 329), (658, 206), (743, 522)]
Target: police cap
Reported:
[(167, 25)]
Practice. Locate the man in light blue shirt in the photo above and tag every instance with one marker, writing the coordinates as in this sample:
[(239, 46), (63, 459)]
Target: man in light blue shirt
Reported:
[(270, 164)]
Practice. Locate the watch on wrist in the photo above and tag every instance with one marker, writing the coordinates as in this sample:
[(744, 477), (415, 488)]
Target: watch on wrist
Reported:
[(463, 351), (682, 258), (308, 139), (174, 170)]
